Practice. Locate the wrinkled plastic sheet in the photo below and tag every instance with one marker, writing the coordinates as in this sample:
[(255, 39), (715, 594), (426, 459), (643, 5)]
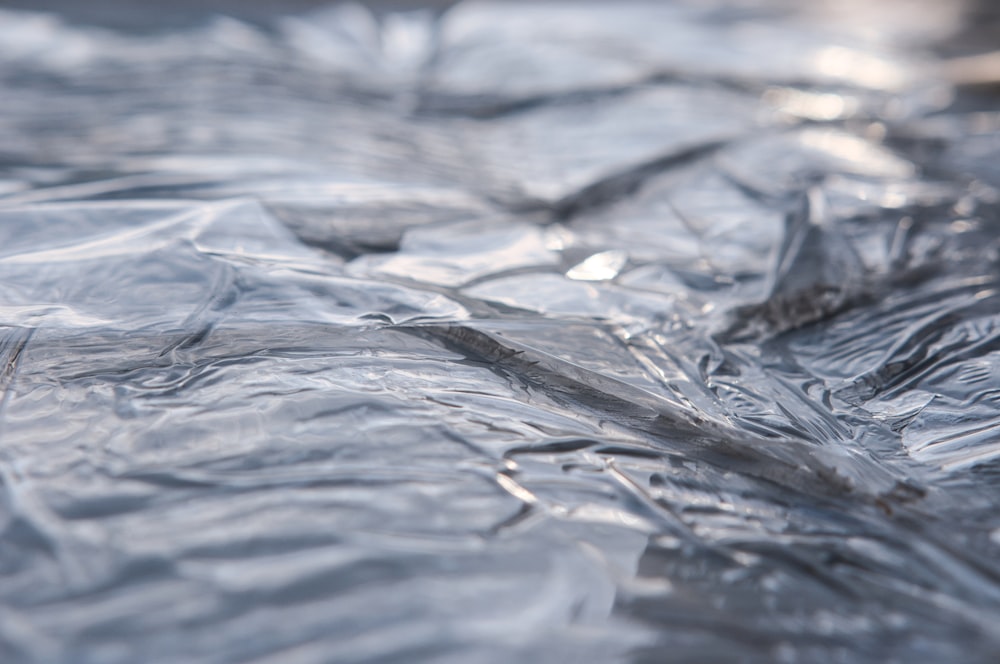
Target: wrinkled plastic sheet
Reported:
[(539, 332)]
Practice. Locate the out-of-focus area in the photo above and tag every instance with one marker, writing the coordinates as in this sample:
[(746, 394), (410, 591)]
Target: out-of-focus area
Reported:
[(974, 23), (144, 16)]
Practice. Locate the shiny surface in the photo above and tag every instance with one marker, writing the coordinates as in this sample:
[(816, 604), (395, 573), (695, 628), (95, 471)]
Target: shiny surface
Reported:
[(540, 332)]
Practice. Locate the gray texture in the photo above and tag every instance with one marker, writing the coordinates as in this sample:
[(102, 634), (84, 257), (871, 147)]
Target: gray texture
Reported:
[(523, 332)]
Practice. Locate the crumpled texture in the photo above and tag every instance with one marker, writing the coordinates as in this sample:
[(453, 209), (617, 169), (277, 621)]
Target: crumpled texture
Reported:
[(522, 332)]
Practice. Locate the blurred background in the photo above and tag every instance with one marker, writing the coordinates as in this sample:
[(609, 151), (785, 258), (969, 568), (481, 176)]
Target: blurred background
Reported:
[(980, 25), (133, 15)]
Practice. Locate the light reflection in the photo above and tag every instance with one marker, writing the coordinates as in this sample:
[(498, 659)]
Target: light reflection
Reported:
[(870, 71), (983, 69), (818, 106), (515, 489), (858, 155), (600, 267)]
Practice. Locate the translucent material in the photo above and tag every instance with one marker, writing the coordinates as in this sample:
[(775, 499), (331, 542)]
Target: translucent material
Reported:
[(523, 332)]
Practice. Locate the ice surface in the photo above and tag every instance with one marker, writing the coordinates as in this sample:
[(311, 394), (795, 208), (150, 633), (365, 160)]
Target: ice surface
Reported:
[(521, 332)]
